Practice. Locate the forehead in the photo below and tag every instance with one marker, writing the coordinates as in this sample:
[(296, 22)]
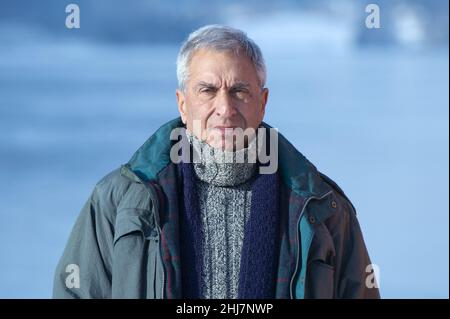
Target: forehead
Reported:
[(213, 66)]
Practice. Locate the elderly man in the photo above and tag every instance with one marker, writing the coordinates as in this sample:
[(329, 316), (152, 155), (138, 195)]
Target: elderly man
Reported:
[(182, 222)]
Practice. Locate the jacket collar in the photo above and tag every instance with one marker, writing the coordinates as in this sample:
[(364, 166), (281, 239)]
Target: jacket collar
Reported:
[(300, 175)]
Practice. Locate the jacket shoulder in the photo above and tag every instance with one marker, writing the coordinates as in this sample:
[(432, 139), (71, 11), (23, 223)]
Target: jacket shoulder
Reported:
[(113, 185), (339, 196), (115, 191)]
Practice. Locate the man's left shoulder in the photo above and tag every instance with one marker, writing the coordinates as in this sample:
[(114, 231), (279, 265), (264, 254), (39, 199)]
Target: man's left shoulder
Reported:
[(339, 206)]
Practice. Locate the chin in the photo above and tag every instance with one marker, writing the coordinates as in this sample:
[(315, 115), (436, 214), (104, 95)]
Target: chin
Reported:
[(219, 142)]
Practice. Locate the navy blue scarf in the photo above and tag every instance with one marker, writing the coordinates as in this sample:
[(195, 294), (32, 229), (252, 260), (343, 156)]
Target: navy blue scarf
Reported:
[(260, 251)]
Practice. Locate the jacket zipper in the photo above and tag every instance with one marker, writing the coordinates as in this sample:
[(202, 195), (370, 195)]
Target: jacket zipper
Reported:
[(298, 236)]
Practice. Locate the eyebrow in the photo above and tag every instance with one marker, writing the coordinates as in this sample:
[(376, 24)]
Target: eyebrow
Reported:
[(203, 84), (237, 85), (240, 85)]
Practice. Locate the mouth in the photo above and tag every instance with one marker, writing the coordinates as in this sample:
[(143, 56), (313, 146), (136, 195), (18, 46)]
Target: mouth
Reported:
[(224, 128)]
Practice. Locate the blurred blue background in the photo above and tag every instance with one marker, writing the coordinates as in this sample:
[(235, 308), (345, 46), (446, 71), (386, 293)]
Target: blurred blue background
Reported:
[(369, 107)]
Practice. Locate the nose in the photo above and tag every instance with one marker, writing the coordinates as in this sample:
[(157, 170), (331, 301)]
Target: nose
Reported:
[(225, 106)]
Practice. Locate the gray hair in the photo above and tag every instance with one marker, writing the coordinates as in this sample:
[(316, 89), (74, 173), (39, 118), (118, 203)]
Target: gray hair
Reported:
[(219, 38)]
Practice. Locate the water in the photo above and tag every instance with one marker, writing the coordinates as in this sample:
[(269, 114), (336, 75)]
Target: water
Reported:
[(376, 121)]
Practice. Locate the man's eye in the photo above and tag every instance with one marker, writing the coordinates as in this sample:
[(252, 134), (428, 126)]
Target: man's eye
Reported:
[(207, 90), (239, 93)]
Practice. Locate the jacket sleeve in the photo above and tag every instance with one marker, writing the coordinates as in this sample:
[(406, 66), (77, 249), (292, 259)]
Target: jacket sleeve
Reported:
[(84, 270), (356, 279)]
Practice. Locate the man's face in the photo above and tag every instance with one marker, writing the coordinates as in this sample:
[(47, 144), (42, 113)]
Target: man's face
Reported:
[(223, 91)]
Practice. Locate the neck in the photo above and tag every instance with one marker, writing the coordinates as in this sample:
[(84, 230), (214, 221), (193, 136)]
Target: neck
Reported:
[(220, 167)]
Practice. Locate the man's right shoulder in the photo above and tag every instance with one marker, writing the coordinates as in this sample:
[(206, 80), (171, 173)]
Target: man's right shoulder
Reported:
[(112, 184), (115, 190)]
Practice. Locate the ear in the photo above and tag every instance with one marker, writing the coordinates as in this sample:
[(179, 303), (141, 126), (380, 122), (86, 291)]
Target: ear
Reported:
[(264, 98), (181, 105)]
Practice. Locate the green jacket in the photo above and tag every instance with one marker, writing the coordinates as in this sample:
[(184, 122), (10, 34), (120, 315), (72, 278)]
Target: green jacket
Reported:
[(125, 242)]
